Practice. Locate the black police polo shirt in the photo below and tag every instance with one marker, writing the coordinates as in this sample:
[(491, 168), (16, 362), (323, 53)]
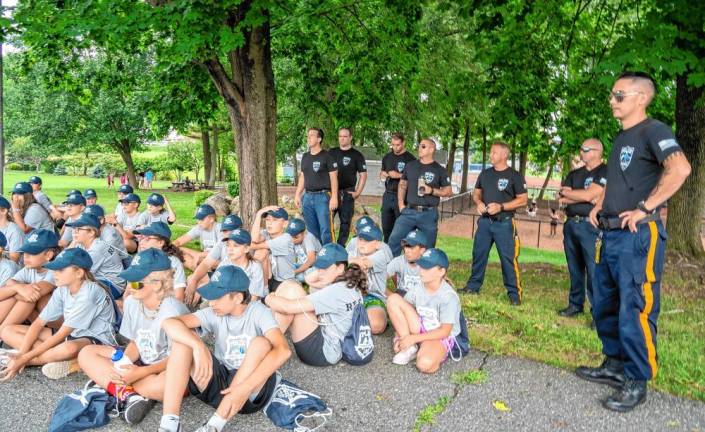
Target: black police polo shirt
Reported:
[(635, 164), (433, 174), (500, 187), (316, 169), (582, 178), (350, 162), (393, 162)]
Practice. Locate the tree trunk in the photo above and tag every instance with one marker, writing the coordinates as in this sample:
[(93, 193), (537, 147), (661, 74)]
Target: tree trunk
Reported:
[(523, 157), (214, 153), (207, 165), (296, 170), (466, 156), (685, 209), (512, 156), (451, 152), (551, 165), (484, 147), (125, 151), (251, 102)]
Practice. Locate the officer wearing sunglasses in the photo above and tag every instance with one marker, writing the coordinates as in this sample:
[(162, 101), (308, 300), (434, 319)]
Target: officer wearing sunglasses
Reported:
[(645, 168)]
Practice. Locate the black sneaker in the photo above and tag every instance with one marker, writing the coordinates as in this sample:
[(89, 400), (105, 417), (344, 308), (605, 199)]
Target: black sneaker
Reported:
[(136, 408), (628, 397), (570, 311), (514, 301), (467, 290), (610, 372)]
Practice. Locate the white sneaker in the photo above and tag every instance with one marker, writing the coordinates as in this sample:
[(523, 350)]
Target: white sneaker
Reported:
[(58, 370), (207, 428), (5, 357), (404, 357), (136, 408)]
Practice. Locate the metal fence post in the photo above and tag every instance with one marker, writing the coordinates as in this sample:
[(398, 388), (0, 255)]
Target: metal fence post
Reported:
[(538, 236)]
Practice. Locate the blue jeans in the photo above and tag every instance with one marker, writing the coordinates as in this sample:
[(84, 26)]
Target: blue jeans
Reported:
[(390, 213), (317, 215), (502, 233), (425, 221), (579, 245), (627, 296)]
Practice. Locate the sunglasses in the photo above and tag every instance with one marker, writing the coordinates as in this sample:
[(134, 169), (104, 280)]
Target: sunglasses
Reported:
[(140, 285), (619, 95), (586, 149)]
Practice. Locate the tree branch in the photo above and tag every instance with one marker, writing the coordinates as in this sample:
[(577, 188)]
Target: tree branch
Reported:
[(226, 87)]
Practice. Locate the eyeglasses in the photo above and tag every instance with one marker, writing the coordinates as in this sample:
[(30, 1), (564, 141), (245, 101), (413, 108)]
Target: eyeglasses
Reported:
[(619, 95), (586, 149)]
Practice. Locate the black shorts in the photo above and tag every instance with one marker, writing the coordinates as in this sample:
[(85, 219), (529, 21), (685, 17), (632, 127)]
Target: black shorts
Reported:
[(310, 349), (273, 284), (91, 339), (221, 379)]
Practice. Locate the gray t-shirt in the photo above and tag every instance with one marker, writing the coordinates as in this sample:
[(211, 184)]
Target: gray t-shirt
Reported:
[(208, 239), (218, 252), (43, 200), (67, 234), (144, 327), (8, 268), (233, 334), (352, 246), (377, 274), (110, 235), (14, 235), (129, 223), (310, 244), (147, 218), (38, 218), (89, 312), (107, 263), (119, 211), (179, 274), (334, 306), (28, 275), (442, 307), (281, 256), (408, 276)]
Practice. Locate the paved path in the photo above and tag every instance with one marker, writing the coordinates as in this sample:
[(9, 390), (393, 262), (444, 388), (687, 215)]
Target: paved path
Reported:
[(382, 396)]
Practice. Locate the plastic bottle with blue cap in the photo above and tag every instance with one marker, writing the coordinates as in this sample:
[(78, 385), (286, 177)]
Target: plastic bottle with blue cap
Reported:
[(120, 360)]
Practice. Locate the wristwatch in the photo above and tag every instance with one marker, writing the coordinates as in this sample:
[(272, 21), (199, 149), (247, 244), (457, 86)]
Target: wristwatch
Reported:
[(641, 205), (501, 207)]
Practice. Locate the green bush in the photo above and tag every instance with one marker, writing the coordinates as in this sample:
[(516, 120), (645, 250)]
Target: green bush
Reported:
[(60, 170), (14, 166), (98, 171), (165, 175), (199, 197), (234, 188), (48, 165)]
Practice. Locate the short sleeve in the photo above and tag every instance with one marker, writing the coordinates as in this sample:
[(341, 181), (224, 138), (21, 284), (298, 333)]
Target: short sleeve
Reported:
[(216, 253), (662, 142), (179, 274), (15, 237), (194, 232), (385, 163), (601, 176), (67, 236), (443, 177), (449, 310), (361, 163), (568, 180), (394, 267), (332, 164), (311, 244), (519, 184), (143, 220), (478, 182), (410, 297), (324, 301), (84, 311), (265, 319), (54, 308), (7, 270), (280, 245), (34, 216), (379, 261), (256, 280), (127, 326), (207, 319), (405, 173)]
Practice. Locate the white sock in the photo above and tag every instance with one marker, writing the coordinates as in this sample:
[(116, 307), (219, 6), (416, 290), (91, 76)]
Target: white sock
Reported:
[(170, 422), (217, 422)]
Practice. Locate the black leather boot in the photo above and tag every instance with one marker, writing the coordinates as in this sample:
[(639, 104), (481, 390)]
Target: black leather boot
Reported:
[(610, 372), (629, 396)]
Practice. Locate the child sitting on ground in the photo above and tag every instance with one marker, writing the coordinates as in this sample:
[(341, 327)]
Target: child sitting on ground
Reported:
[(404, 269), (207, 231), (273, 247)]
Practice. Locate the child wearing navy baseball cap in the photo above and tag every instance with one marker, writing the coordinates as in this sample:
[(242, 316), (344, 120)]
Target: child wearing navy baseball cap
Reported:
[(12, 232), (128, 220), (208, 233), (404, 270), (158, 235), (122, 191), (158, 210), (306, 247), (273, 246), (8, 268)]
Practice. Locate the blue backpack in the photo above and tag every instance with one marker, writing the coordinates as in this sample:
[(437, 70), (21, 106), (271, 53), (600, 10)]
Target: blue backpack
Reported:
[(83, 409), (290, 405), (357, 346)]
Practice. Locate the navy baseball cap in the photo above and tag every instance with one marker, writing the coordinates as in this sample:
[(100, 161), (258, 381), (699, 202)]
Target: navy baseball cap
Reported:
[(159, 229), (90, 193), (329, 255), (85, 220), (3, 240), (225, 280), (362, 222), (204, 210), (415, 238), (131, 198), (296, 227), (231, 222), (71, 257), (95, 210), (370, 233), (22, 188), (73, 192), (239, 236), (155, 199), (126, 189), (433, 257), (76, 199), (278, 213), (4, 203), (35, 180), (144, 263), (38, 241)]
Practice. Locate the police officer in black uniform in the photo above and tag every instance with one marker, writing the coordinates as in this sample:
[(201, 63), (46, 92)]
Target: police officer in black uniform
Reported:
[(645, 168), (393, 164), (423, 183), (498, 192), (579, 191), (352, 175), (319, 180)]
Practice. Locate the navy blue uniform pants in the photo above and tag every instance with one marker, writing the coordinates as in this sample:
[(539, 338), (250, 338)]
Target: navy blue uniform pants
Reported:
[(425, 221), (345, 211), (503, 233), (579, 245), (627, 296), (390, 213)]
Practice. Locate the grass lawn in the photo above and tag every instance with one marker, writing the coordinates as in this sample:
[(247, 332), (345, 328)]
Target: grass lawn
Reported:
[(533, 330)]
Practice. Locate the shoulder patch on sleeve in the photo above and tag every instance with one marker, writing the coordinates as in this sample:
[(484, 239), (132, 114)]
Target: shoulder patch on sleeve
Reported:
[(667, 143)]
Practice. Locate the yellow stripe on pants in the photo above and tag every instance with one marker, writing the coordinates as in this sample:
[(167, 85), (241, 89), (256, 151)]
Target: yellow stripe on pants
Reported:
[(649, 298), (517, 245), (330, 221)]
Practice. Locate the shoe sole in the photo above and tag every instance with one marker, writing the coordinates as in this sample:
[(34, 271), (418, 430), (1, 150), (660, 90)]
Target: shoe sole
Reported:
[(136, 412), (612, 383), (622, 410), (58, 370)]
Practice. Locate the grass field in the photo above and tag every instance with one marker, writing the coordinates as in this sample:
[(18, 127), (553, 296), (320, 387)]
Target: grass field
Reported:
[(533, 330)]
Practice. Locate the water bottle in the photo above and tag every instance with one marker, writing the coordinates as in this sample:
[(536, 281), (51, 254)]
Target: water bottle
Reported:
[(120, 360), (421, 191)]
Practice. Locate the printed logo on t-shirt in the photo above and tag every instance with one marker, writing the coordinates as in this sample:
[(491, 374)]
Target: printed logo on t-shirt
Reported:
[(667, 143), (400, 166), (147, 345), (411, 282), (502, 184), (235, 349), (625, 157), (346, 160), (429, 317), (316, 166), (428, 177), (587, 183)]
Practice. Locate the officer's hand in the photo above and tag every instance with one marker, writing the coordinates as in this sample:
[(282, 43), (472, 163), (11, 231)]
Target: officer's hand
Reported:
[(333, 204), (631, 218), (593, 216), (481, 208), (427, 190), (297, 201), (493, 208)]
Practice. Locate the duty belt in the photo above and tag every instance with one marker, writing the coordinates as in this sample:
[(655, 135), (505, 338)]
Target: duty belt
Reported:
[(497, 218), (578, 219), (420, 208), (615, 223)]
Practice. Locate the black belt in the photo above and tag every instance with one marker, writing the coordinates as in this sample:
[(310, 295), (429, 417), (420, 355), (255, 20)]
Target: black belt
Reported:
[(609, 223), (317, 192), (390, 192), (420, 208), (578, 219), (497, 218)]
